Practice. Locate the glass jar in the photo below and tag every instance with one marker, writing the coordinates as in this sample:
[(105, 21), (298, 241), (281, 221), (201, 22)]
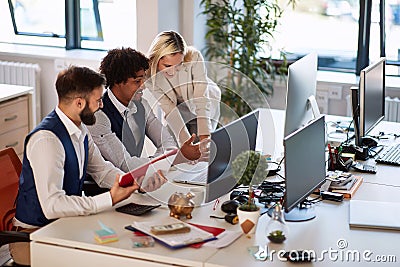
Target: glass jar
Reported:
[(277, 230)]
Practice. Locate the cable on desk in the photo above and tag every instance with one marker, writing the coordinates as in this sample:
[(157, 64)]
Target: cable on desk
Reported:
[(343, 130), (278, 168), (316, 199), (373, 153), (269, 208), (283, 177), (383, 135)]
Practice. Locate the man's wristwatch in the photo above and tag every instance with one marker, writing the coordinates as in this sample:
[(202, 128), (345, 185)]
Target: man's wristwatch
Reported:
[(141, 191)]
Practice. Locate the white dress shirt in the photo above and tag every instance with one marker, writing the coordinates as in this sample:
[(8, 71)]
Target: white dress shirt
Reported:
[(111, 146), (46, 154)]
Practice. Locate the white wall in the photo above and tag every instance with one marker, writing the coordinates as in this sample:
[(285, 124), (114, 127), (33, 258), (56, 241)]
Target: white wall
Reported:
[(51, 61)]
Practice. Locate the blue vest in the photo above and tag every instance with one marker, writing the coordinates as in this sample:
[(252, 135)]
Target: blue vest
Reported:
[(124, 133), (28, 208)]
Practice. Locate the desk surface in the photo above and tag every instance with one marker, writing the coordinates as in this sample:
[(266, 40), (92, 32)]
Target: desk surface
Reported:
[(78, 232), (69, 241), (323, 233)]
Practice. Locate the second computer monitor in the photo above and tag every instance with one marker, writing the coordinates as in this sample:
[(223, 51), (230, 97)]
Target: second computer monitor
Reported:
[(305, 168), (372, 96), (301, 106), (226, 143)]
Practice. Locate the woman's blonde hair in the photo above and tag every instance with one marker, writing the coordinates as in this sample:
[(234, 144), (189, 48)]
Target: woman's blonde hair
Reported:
[(165, 43)]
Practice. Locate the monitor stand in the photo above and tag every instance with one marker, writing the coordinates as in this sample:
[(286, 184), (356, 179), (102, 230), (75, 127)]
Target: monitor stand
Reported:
[(312, 102), (302, 212)]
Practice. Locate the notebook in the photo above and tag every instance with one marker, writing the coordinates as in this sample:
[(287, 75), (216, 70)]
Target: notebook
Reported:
[(374, 214)]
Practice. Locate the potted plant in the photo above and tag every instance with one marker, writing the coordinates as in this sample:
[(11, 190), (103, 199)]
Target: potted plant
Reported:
[(249, 168), (238, 35)]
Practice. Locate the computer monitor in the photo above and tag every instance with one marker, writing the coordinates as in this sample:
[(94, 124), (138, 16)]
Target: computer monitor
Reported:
[(301, 105), (372, 96), (305, 168), (226, 143)]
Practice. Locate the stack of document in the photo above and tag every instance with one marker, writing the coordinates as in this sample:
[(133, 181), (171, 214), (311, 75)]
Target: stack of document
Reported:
[(174, 240)]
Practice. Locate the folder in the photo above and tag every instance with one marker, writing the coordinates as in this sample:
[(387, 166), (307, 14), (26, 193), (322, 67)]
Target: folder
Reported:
[(148, 169), (196, 235)]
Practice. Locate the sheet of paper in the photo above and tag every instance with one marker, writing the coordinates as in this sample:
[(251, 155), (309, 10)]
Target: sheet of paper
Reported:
[(224, 239)]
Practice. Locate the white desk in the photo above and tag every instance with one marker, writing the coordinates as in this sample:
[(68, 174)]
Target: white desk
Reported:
[(70, 241), (322, 233)]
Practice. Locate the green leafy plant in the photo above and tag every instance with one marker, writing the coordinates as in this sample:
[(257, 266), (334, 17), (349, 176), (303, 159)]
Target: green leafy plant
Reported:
[(237, 34), (249, 168), (277, 236)]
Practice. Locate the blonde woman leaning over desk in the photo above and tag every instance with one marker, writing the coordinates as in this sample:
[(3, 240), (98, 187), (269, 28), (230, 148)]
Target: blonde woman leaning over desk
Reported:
[(178, 80)]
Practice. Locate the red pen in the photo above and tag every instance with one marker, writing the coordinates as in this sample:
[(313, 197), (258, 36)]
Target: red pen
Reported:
[(216, 204), (331, 157)]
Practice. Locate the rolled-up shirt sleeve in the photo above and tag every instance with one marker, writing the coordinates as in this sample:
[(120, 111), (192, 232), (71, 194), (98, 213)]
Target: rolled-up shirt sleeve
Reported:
[(201, 99), (48, 172), (110, 147)]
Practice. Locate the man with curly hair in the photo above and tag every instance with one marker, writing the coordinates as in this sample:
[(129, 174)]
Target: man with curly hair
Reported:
[(126, 118)]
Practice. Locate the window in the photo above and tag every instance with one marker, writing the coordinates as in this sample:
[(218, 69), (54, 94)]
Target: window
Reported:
[(392, 34), (331, 28), (28, 17), (102, 24)]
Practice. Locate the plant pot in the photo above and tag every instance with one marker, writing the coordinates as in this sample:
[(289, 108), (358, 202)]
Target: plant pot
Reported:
[(248, 220)]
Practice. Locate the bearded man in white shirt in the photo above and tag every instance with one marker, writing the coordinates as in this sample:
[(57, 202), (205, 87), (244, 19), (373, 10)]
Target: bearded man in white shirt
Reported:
[(58, 153)]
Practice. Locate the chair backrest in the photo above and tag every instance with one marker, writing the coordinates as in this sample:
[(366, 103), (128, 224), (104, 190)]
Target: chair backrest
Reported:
[(10, 169)]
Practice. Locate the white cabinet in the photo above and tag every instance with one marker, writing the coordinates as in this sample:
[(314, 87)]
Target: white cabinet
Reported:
[(14, 123), (15, 116)]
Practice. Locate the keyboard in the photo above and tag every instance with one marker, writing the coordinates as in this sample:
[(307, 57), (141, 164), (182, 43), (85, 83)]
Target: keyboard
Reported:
[(136, 209), (390, 155)]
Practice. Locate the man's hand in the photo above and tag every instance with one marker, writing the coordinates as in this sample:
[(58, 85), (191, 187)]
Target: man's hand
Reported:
[(204, 147), (193, 152), (119, 193), (189, 150), (152, 183)]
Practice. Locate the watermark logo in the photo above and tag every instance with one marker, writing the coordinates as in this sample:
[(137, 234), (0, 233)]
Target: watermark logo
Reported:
[(342, 243), (340, 253)]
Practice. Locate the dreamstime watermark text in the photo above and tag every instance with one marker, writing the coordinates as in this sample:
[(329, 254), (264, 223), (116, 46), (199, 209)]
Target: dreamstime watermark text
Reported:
[(340, 253)]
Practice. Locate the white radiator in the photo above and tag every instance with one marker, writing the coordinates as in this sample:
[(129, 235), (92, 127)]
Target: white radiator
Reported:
[(27, 74), (392, 109)]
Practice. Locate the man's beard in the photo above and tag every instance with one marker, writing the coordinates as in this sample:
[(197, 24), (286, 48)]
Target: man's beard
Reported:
[(87, 116)]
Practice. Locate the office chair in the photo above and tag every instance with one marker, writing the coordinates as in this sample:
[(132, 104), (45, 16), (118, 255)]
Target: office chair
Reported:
[(10, 166)]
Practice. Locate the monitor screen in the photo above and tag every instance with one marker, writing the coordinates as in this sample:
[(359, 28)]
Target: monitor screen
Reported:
[(301, 85), (372, 96), (305, 168), (226, 143)]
